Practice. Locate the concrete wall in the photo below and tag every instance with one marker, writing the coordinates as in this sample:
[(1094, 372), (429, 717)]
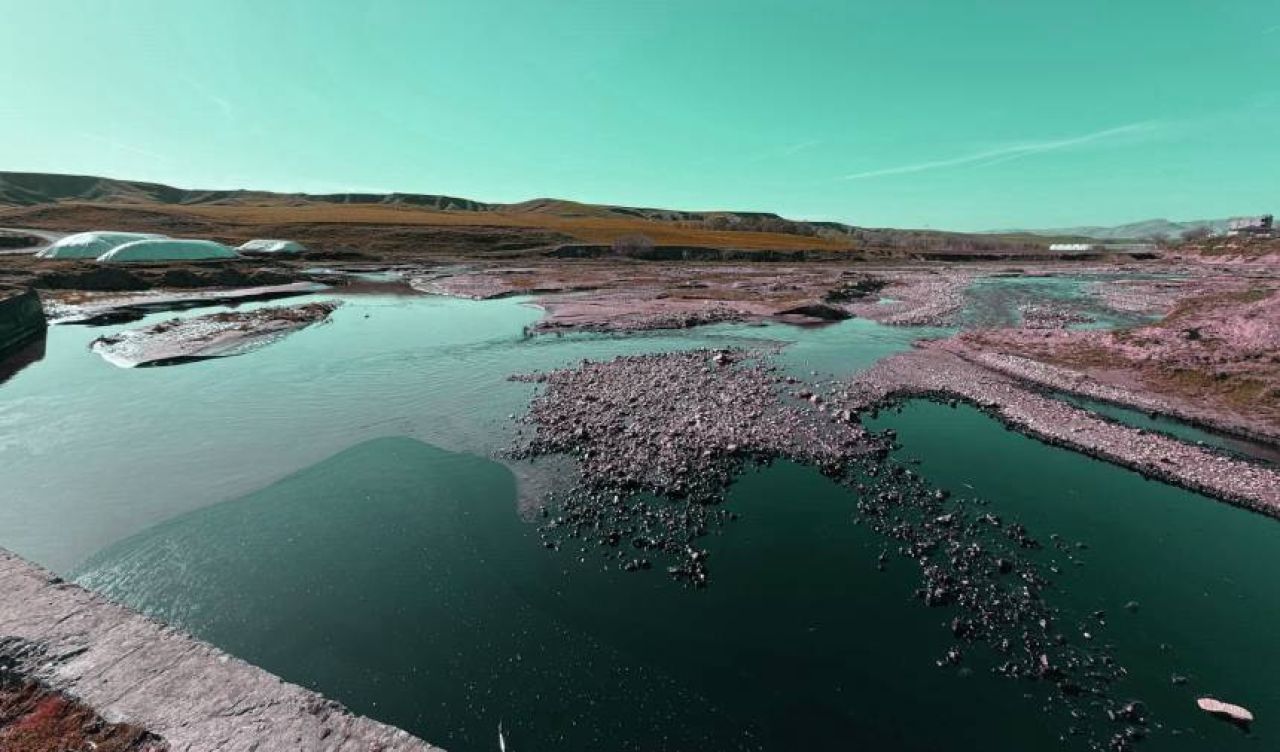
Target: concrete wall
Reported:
[(132, 669), (21, 319)]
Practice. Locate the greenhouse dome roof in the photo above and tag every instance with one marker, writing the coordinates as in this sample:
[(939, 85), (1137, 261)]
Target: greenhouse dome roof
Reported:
[(91, 245), (167, 249)]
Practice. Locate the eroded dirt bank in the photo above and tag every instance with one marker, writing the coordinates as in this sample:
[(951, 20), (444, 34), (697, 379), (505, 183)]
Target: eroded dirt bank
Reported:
[(90, 658)]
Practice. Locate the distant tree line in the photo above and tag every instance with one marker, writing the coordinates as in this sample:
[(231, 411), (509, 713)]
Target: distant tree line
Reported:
[(753, 223), (933, 240), (888, 239)]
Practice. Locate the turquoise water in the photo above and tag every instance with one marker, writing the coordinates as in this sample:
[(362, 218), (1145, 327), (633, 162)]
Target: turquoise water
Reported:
[(329, 507), (139, 446), (994, 301), (1200, 571)]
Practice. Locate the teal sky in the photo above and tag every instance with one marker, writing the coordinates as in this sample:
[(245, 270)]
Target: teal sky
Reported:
[(944, 114)]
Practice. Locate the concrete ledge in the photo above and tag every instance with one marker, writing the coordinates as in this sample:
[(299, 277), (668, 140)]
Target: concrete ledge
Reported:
[(21, 319), (133, 669)]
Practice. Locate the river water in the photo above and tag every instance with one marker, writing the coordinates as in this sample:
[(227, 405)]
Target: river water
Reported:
[(330, 508)]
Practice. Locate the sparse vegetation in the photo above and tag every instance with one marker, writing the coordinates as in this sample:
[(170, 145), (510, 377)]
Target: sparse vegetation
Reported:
[(631, 245)]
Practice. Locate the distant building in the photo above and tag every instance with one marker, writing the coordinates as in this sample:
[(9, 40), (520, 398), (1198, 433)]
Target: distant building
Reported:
[(1102, 247), (1256, 226), (1129, 247)]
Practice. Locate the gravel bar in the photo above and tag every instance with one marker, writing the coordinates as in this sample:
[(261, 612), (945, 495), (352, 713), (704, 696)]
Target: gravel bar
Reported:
[(932, 371)]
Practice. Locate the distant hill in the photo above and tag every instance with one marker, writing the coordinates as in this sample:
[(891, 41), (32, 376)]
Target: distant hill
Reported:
[(34, 188), (60, 201), (1134, 230)]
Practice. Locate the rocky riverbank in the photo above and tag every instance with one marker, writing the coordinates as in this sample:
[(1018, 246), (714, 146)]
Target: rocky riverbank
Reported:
[(85, 652), (618, 295), (936, 372), (657, 440), (1210, 360), (1047, 376), (927, 297)]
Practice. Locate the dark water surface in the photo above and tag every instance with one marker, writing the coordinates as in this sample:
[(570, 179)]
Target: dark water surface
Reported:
[(327, 508)]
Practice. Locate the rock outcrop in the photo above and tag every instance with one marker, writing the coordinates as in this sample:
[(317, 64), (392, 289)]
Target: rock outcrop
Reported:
[(213, 335), (21, 319)]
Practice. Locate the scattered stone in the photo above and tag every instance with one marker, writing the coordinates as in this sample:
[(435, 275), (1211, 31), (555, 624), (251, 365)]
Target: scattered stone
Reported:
[(658, 441)]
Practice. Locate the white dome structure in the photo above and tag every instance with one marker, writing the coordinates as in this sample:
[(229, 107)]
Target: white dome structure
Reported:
[(272, 246), (167, 249), (91, 245)]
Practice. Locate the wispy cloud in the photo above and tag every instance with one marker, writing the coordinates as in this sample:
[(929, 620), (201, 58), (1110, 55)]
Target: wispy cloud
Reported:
[(1272, 30), (1009, 152), (221, 103), (781, 152), (797, 147), (123, 146)]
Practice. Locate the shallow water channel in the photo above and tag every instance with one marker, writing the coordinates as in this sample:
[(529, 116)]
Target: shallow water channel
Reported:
[(330, 508)]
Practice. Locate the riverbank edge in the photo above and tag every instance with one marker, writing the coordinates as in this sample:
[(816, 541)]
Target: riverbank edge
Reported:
[(128, 667), (933, 373), (1054, 378)]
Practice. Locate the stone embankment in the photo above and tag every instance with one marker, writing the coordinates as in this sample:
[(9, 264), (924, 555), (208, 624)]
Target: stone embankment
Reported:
[(934, 372), (192, 696), (21, 319)]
